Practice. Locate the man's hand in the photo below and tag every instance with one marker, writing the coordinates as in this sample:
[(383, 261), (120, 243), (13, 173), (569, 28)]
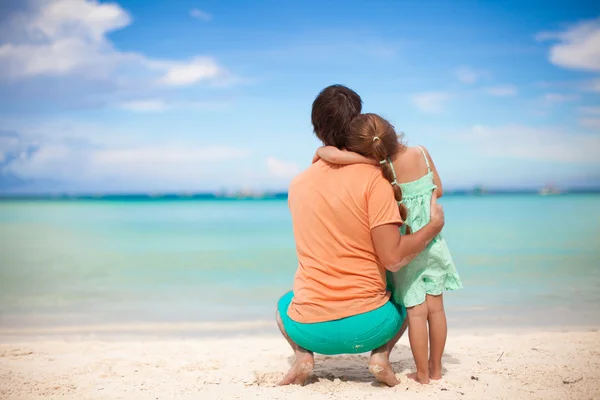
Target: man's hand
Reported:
[(395, 251), (437, 220)]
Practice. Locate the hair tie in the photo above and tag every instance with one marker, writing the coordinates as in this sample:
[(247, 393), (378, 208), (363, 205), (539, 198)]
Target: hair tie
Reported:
[(382, 162), (395, 183), (376, 138)]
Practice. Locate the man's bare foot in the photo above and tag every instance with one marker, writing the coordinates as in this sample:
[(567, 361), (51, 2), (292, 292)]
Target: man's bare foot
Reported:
[(301, 369), (380, 367), (435, 373), (423, 379)]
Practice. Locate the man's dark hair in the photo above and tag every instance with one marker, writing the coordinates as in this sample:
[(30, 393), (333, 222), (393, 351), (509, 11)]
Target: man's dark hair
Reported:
[(332, 111)]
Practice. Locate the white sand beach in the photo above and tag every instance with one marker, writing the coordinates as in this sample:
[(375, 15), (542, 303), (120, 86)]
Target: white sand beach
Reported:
[(478, 365)]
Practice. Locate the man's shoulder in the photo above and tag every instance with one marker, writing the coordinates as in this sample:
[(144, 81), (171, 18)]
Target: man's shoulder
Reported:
[(364, 173), (302, 176), (366, 169), (323, 168)]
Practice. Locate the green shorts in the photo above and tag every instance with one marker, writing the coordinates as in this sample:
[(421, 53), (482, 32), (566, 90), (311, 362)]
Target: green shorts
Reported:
[(356, 334)]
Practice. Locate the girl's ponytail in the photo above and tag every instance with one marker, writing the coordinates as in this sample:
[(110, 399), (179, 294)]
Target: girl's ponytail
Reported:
[(374, 137)]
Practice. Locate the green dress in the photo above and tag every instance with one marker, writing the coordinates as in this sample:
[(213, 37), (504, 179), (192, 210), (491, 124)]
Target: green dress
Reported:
[(433, 270)]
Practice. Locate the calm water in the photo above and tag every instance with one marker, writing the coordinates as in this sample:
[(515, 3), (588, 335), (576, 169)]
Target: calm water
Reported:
[(524, 260)]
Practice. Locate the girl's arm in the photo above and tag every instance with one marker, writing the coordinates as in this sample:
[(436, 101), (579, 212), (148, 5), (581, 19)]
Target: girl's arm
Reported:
[(436, 177), (315, 158), (336, 156)]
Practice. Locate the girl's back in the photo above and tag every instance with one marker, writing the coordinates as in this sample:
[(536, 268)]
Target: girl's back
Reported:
[(412, 170), (415, 163), (409, 165)]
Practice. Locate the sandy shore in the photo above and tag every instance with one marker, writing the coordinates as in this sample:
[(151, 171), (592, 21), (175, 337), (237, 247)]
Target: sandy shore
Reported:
[(517, 365)]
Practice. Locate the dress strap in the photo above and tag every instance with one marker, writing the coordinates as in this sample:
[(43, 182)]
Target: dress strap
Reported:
[(426, 159)]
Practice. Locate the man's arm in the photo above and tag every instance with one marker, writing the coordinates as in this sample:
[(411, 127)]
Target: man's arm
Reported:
[(343, 157), (395, 251)]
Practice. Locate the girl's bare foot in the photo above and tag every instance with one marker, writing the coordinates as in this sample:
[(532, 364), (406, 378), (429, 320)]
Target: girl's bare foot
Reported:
[(301, 369), (380, 367), (435, 372), (423, 379)]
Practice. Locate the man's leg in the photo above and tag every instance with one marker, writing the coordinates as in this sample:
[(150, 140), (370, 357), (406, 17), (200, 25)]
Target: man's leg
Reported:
[(304, 363), (396, 338), (379, 364)]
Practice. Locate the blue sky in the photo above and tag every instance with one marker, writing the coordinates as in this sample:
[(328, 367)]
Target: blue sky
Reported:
[(208, 95)]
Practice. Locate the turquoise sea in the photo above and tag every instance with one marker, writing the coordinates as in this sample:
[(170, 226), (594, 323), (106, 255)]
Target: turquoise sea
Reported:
[(525, 261)]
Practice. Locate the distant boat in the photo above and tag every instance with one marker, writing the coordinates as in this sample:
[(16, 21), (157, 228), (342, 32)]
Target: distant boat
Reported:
[(549, 190), (479, 190), (249, 194)]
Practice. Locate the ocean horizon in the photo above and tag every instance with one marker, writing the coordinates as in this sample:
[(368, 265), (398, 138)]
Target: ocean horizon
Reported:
[(268, 194), (214, 265)]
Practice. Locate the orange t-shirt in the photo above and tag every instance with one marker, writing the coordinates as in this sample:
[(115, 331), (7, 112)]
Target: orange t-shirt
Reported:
[(333, 210)]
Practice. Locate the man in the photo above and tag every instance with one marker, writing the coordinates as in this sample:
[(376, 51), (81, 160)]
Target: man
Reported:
[(345, 221)]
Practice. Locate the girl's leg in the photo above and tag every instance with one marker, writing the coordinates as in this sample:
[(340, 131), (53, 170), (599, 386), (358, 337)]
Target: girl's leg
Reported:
[(438, 330), (419, 341)]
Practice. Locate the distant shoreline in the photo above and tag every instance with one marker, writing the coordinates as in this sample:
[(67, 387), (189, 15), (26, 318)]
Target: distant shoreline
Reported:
[(256, 196)]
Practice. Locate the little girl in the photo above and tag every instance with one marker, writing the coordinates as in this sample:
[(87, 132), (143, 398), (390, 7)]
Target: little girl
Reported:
[(419, 285)]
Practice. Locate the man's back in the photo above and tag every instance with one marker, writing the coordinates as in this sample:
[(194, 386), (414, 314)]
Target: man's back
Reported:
[(333, 211)]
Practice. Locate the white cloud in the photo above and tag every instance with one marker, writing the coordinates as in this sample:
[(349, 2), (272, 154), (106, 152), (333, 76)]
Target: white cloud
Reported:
[(593, 123), (90, 19), (467, 74), (163, 156), (70, 130), (592, 86), (168, 164), (197, 70), (69, 37), (590, 110), (70, 155), (11, 146), (578, 47), (527, 143), (201, 15), (63, 57), (560, 98), (590, 117), (144, 106), (157, 105), (8, 143), (430, 102), (282, 169), (61, 37), (502, 90)]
